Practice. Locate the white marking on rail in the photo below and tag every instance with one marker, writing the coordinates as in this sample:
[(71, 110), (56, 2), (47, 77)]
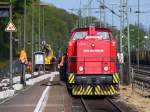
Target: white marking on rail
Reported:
[(43, 100)]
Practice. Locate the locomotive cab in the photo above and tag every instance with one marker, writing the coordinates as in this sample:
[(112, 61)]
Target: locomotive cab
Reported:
[(92, 62)]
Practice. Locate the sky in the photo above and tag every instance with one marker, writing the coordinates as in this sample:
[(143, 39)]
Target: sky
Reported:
[(75, 4)]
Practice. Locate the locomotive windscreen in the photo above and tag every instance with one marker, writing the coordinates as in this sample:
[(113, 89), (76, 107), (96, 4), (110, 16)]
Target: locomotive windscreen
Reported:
[(79, 35), (99, 34), (103, 35)]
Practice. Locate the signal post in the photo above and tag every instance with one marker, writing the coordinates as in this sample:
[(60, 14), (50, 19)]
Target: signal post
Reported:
[(10, 28)]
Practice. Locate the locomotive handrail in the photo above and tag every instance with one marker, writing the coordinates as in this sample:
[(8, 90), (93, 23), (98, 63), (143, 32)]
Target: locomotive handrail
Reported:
[(107, 59), (102, 59)]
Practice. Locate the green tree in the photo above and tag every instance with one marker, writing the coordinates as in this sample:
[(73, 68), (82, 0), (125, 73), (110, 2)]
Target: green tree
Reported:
[(134, 36), (58, 23)]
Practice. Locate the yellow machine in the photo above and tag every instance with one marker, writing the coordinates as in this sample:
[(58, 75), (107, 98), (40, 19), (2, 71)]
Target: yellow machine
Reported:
[(49, 57)]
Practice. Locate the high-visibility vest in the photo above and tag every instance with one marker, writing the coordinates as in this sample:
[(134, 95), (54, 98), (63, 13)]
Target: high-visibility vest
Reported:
[(30, 66), (23, 56), (62, 60)]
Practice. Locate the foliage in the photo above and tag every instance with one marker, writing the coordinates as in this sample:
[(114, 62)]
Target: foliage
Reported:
[(134, 36), (57, 24)]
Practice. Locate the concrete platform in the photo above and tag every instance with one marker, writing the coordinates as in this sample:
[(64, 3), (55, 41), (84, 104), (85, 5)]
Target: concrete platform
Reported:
[(26, 101), (59, 99)]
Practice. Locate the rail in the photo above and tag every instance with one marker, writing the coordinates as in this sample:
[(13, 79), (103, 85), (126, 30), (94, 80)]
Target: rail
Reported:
[(86, 109), (115, 105), (102, 104)]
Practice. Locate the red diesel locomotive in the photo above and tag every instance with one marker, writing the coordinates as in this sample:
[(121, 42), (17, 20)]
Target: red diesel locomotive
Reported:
[(91, 62)]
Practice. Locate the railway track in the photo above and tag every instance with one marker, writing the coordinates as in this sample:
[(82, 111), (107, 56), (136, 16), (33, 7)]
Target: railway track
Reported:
[(99, 105), (141, 80), (141, 67), (141, 74)]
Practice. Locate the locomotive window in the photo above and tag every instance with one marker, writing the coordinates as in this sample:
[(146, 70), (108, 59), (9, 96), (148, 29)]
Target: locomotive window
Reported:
[(103, 35), (79, 35)]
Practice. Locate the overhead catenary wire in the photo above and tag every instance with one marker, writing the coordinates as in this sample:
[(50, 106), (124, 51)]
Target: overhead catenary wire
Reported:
[(111, 10)]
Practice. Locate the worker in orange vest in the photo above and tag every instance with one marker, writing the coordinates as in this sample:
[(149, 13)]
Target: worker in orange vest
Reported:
[(62, 67), (29, 66), (61, 61), (23, 56), (23, 59)]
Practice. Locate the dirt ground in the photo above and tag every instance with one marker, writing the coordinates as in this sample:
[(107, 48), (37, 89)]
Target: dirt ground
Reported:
[(132, 98)]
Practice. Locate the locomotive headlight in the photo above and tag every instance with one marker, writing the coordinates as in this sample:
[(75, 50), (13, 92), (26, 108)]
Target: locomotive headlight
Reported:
[(81, 68), (106, 68)]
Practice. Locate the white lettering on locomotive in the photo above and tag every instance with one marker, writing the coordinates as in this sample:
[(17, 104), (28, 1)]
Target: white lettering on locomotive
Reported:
[(95, 50)]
